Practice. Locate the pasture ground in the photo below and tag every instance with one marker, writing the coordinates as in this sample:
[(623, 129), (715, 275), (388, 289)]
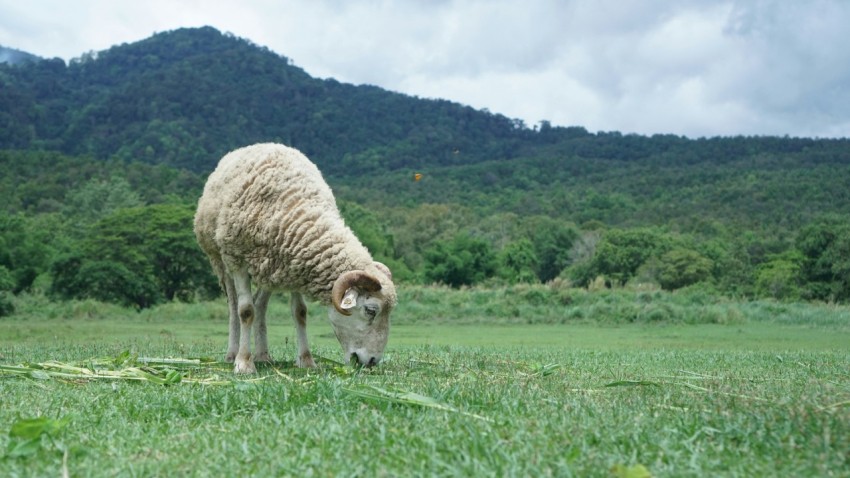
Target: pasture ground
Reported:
[(766, 394)]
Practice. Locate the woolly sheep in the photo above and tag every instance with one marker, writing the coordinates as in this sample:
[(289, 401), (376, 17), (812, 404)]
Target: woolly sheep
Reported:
[(266, 215)]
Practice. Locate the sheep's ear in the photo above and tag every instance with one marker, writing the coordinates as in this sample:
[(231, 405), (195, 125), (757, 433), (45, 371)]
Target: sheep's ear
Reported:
[(349, 299), (344, 284)]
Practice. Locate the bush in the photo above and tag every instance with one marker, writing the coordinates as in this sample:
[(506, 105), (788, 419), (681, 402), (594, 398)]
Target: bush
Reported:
[(461, 261), (779, 277), (682, 267), (24, 251), (518, 262), (620, 253), (7, 282), (139, 257)]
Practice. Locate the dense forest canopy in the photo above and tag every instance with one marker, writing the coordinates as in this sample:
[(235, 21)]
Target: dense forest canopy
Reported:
[(184, 98), (131, 132)]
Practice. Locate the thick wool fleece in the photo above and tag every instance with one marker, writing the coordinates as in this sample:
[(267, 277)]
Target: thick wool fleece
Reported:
[(266, 207)]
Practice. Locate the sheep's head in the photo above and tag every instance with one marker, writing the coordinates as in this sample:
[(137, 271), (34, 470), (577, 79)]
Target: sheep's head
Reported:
[(360, 313)]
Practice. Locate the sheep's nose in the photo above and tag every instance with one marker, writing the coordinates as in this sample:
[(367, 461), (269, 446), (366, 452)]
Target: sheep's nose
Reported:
[(363, 361)]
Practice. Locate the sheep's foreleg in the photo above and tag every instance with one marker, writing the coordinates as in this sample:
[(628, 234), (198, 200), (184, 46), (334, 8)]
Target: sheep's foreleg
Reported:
[(232, 305), (299, 314), (261, 341), (244, 361)]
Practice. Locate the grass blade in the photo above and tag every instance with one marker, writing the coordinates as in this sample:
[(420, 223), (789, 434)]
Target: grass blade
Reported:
[(729, 394), (633, 383), (371, 392)]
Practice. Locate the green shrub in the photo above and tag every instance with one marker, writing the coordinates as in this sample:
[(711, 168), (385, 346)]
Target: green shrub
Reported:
[(464, 260), (7, 282), (682, 267)]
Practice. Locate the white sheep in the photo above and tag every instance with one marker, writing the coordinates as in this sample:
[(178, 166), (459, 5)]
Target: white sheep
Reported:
[(267, 215)]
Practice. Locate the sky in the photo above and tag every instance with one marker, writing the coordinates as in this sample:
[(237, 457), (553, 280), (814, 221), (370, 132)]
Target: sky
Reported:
[(697, 68)]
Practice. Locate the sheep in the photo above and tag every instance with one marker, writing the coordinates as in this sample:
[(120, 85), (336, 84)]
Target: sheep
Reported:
[(266, 215)]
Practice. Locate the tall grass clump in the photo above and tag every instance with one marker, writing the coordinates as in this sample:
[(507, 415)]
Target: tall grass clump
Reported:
[(557, 303), (554, 303)]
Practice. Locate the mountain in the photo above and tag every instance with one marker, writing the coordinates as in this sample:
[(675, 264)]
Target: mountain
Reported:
[(184, 98), (143, 123), (12, 56), (187, 96)]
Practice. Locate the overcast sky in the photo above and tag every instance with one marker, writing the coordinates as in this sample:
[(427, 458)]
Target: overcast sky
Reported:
[(695, 68)]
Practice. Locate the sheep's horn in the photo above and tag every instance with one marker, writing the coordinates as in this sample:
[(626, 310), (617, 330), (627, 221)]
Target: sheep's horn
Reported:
[(348, 280)]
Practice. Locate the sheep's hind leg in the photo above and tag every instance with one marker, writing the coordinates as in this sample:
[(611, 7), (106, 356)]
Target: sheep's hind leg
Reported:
[(232, 305), (244, 361), (299, 314), (261, 341)]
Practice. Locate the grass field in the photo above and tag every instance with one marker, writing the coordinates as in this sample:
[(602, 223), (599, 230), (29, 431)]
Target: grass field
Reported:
[(759, 389)]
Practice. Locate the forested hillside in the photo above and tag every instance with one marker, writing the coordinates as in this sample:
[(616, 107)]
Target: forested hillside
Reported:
[(103, 159), (14, 57), (186, 97)]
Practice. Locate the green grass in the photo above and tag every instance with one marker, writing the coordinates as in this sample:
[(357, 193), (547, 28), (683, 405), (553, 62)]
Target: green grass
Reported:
[(765, 394)]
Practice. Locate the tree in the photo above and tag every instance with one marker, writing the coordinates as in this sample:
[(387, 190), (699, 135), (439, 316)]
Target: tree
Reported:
[(779, 278), (518, 262), (463, 260), (97, 199), (6, 285), (620, 253), (418, 229), (681, 267), (840, 255), (374, 233), (105, 280), (139, 257), (581, 256), (25, 250), (552, 240), (366, 225), (825, 269)]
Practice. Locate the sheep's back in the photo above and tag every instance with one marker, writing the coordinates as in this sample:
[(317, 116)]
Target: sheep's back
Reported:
[(268, 207)]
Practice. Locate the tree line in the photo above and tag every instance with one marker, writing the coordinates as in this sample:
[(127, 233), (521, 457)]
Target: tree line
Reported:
[(76, 228)]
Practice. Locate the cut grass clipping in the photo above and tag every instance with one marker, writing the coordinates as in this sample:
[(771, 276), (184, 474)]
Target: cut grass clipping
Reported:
[(159, 371), (127, 367), (172, 371)]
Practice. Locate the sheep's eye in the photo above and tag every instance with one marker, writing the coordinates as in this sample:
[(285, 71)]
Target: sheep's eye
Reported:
[(371, 311)]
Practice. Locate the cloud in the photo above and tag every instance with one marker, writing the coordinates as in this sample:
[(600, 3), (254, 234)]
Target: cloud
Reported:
[(799, 65), (691, 67)]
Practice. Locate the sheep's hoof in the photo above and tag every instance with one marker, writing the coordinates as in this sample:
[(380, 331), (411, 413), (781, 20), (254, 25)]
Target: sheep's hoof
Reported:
[(244, 365), (305, 360), (262, 357)]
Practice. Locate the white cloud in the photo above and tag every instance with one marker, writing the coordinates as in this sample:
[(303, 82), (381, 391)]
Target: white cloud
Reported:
[(693, 67)]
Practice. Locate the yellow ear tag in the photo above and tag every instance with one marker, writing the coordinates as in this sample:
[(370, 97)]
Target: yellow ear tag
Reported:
[(349, 300)]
